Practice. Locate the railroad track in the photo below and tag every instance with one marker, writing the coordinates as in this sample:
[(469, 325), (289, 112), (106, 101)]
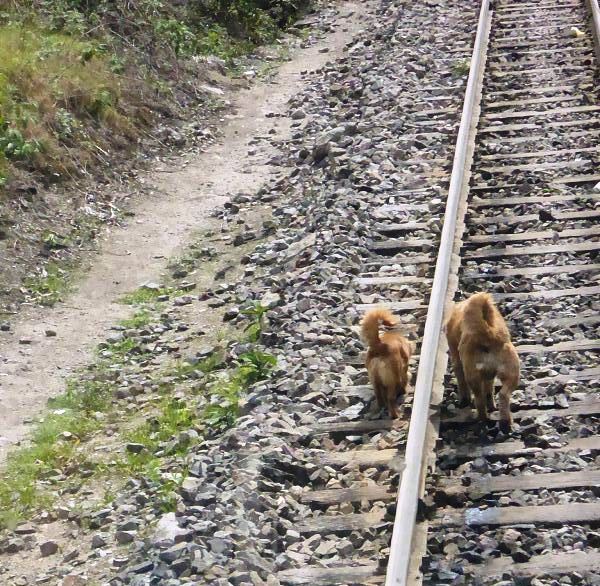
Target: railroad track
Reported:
[(508, 508), (520, 220)]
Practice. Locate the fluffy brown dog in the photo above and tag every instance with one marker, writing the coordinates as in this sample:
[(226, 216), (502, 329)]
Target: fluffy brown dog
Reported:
[(387, 358), (481, 350)]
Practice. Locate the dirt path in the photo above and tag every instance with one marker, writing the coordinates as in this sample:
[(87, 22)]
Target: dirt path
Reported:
[(33, 366)]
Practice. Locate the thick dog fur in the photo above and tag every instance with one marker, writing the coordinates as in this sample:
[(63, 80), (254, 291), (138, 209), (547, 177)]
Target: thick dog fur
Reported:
[(387, 358), (481, 350)]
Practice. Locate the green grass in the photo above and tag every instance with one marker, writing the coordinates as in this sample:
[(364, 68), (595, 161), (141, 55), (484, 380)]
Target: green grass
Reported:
[(138, 320), (173, 416), (183, 369), (461, 67), (146, 295), (226, 391), (58, 445), (84, 397), (50, 286), (77, 80), (195, 252), (165, 485), (49, 84), (256, 314), (24, 487), (121, 350), (223, 391)]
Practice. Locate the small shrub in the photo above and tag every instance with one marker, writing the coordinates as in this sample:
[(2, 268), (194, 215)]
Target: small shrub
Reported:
[(139, 319), (15, 146), (256, 313), (461, 67), (54, 241), (53, 446), (176, 34), (256, 365)]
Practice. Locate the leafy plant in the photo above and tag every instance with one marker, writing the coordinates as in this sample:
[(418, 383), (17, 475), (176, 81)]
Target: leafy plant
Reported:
[(173, 415), (54, 241), (461, 67), (257, 315), (49, 83), (122, 349), (15, 146), (176, 34), (65, 124), (147, 294), (53, 446), (256, 365), (139, 319), (226, 391)]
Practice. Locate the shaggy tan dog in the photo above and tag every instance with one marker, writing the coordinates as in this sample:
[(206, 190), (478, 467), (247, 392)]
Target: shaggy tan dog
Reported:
[(387, 358), (481, 350)]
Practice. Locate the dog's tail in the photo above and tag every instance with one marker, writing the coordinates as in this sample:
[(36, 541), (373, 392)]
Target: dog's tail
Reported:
[(480, 314), (371, 321)]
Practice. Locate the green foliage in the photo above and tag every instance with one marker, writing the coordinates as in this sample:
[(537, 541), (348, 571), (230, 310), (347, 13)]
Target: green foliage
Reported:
[(121, 350), (138, 320), (54, 241), (84, 397), (255, 20), (146, 294), (33, 474), (226, 391), (64, 61), (256, 313), (176, 34), (49, 286), (173, 416), (461, 67), (13, 145), (65, 124), (27, 477), (256, 366), (183, 370), (215, 40), (48, 83)]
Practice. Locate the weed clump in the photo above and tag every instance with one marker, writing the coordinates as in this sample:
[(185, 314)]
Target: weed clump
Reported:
[(48, 286), (461, 67)]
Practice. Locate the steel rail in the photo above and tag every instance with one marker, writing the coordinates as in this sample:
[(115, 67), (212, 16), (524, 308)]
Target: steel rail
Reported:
[(410, 486), (594, 11)]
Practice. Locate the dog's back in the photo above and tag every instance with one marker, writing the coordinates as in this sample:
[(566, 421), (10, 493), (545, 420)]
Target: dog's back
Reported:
[(483, 333), (481, 350), (387, 357)]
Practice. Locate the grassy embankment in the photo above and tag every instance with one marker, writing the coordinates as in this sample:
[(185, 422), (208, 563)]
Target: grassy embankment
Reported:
[(80, 79)]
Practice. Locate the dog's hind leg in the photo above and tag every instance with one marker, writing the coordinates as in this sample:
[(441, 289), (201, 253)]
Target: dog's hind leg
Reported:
[(391, 402), (402, 375), (379, 391), (491, 402), (481, 404), (509, 384), (464, 394), (509, 377), (479, 389)]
